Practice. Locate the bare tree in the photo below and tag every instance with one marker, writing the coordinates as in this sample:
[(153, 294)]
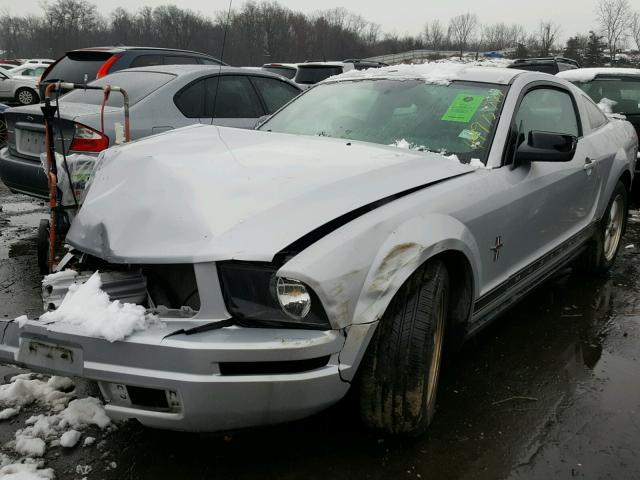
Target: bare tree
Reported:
[(634, 28), (434, 35), (614, 18), (547, 36), (462, 28)]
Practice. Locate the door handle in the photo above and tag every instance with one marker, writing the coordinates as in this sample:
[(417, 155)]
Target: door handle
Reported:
[(589, 165)]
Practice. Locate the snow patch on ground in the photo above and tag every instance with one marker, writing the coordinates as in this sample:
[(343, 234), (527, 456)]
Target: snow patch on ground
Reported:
[(25, 470), (70, 438), (8, 413), (89, 309), (24, 390), (85, 411), (54, 428)]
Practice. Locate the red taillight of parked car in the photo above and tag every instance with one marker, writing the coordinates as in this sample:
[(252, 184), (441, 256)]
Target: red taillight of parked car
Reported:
[(106, 66), (87, 139)]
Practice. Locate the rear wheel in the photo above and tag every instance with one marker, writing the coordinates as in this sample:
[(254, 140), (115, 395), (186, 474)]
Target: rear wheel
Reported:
[(26, 96), (398, 378), (603, 247)]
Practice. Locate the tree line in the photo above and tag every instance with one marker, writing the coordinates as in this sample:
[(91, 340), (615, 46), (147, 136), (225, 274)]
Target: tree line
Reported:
[(261, 32)]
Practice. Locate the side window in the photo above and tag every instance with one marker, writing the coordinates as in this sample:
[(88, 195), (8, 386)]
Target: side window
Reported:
[(547, 110), (596, 117), (146, 61), (190, 101), (179, 60), (275, 93), (206, 61), (236, 98), (27, 73)]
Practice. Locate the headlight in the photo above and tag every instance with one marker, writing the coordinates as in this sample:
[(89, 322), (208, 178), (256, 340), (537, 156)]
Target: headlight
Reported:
[(293, 298), (254, 295)]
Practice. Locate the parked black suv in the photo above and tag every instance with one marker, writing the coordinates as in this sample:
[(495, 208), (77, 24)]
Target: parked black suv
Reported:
[(550, 65), (87, 64)]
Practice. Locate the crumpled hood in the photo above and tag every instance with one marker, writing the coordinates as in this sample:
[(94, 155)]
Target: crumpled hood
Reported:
[(204, 193)]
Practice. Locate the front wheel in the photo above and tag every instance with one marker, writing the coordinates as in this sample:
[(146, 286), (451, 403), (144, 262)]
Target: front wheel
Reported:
[(603, 247), (398, 378), (26, 96)]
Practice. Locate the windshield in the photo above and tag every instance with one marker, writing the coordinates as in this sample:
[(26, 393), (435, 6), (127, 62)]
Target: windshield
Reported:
[(138, 85), (625, 92), (458, 118)]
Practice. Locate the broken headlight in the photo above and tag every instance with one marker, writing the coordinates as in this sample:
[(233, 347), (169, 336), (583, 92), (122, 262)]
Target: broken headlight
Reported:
[(255, 295)]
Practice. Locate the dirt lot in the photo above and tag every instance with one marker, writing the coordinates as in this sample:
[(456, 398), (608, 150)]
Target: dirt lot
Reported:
[(551, 390)]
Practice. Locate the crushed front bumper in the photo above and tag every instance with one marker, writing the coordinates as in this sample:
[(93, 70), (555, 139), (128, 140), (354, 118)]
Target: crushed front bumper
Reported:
[(216, 380)]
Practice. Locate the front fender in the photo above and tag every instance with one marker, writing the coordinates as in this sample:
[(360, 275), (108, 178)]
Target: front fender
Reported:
[(357, 270), (405, 249)]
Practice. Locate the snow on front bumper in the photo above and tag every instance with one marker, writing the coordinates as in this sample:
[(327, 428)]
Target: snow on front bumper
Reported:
[(216, 380)]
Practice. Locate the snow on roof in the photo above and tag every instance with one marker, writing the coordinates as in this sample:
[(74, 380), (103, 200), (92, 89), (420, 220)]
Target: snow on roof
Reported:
[(584, 75), (438, 73)]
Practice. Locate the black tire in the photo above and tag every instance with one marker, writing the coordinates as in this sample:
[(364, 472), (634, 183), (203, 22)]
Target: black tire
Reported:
[(43, 246), (26, 96), (600, 255), (398, 377)]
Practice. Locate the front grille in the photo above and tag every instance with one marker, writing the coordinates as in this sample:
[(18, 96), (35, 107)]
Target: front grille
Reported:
[(126, 286)]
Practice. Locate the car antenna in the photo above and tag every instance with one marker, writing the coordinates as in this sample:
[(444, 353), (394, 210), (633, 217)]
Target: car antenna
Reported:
[(224, 40)]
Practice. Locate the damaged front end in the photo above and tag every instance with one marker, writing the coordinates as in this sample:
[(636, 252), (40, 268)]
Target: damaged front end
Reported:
[(198, 368)]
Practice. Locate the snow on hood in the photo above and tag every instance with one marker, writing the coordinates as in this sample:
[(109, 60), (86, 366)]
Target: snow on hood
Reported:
[(584, 75), (437, 73), (204, 193)]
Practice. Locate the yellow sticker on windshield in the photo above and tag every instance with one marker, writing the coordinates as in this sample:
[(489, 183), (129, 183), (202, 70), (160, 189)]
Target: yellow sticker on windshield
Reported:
[(463, 108)]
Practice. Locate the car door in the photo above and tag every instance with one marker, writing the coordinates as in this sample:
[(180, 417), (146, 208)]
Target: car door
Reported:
[(231, 101), (537, 208), (6, 86)]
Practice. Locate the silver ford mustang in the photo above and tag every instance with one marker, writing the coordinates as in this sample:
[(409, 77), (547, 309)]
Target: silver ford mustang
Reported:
[(376, 220)]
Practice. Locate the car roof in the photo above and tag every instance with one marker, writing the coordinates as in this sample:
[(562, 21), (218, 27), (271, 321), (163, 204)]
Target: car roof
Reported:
[(437, 73), (194, 70), (321, 64), (275, 65), (122, 48), (584, 75)]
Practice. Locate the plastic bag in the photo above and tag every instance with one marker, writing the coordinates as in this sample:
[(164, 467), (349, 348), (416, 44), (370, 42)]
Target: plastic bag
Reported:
[(81, 168)]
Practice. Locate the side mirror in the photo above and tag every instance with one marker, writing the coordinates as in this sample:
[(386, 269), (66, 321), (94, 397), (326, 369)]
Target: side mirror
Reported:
[(260, 121), (547, 147)]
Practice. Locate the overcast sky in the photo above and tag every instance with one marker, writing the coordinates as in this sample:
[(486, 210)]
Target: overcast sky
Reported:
[(401, 16)]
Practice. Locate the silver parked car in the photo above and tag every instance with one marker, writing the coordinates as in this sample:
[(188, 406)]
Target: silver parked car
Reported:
[(371, 223), (161, 97), (19, 85)]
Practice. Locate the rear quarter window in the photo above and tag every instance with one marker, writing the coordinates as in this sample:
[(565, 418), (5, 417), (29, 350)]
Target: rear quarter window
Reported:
[(596, 117), (275, 93)]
